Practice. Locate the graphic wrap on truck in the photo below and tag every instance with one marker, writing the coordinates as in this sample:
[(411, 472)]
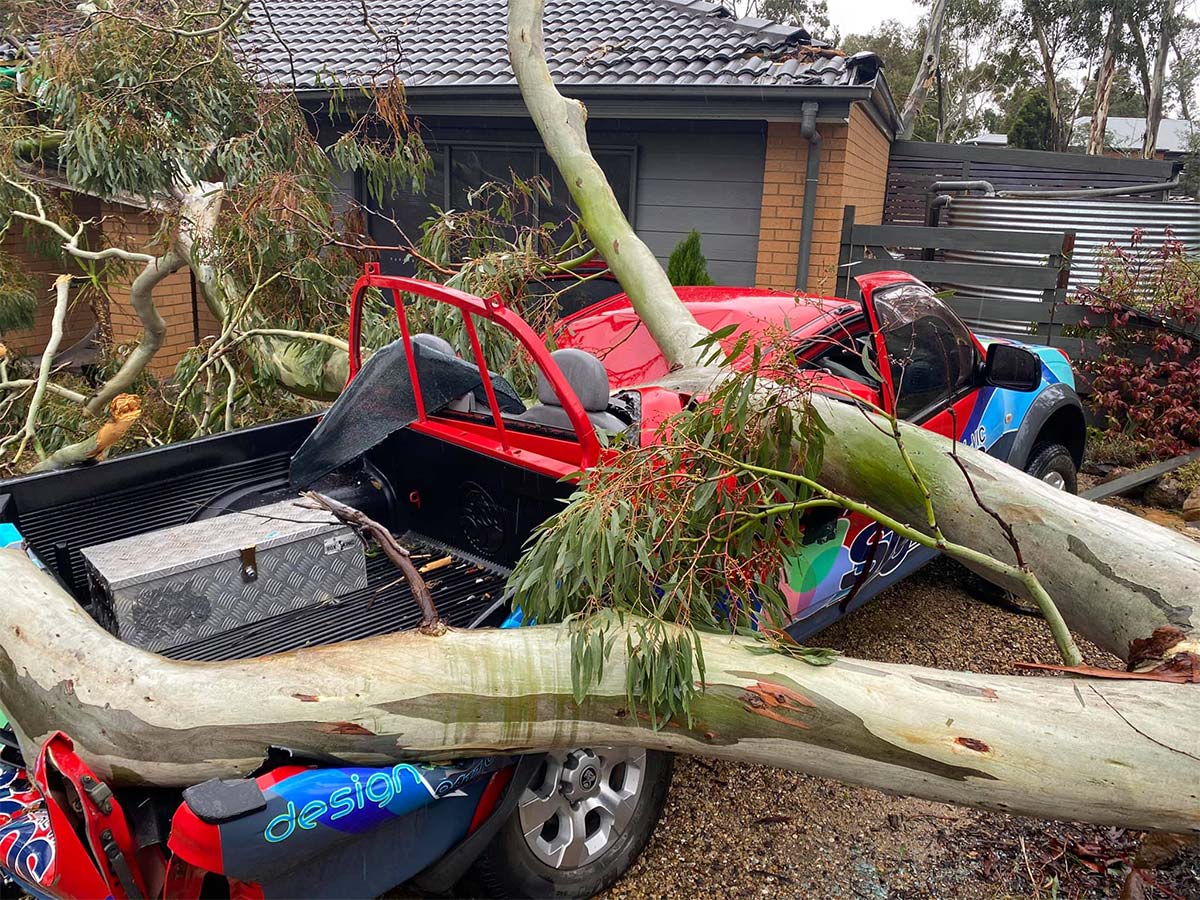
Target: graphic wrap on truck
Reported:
[(852, 559)]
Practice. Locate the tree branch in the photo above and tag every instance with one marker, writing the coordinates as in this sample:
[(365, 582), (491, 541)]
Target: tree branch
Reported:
[(561, 123), (361, 522), (154, 329), (28, 431)]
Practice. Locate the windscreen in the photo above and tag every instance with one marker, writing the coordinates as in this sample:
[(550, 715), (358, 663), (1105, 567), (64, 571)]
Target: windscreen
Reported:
[(380, 401)]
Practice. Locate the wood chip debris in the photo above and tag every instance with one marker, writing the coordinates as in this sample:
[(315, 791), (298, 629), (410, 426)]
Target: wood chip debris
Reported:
[(436, 564)]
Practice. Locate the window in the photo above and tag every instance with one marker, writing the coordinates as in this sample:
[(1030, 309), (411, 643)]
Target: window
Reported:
[(846, 351), (930, 351), (460, 168)]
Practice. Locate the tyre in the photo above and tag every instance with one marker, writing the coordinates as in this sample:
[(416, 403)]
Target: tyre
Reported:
[(581, 822), (1053, 464)]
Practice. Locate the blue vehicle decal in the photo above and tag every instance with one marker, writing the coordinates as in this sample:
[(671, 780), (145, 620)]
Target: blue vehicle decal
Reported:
[(26, 839), (350, 800), (850, 559), (315, 817)]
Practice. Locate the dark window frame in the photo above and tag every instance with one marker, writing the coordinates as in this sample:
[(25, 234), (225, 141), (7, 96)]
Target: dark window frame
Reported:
[(947, 315), (539, 152)]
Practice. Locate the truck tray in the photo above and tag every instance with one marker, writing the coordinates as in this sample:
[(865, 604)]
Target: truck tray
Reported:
[(462, 591)]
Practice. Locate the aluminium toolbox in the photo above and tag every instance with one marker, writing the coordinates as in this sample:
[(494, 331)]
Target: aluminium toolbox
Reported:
[(167, 587)]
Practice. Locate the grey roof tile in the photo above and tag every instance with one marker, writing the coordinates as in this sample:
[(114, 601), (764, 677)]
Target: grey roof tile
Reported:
[(461, 43)]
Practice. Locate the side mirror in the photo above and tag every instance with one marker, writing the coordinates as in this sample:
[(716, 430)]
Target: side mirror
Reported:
[(1013, 368)]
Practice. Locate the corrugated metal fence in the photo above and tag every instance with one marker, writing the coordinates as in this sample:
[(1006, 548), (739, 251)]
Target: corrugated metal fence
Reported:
[(915, 165)]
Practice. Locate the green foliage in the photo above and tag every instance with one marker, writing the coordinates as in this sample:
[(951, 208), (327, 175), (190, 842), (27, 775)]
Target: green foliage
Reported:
[(1117, 448), (687, 535), (495, 248), (1032, 127), (128, 99), (17, 299), (687, 264), (1190, 177), (1126, 99), (986, 67)]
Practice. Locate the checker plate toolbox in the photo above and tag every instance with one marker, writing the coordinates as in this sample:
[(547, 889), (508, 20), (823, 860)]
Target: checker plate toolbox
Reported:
[(179, 584)]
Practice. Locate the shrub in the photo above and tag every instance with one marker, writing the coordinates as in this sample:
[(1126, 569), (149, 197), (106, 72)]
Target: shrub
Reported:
[(1143, 314), (687, 264)]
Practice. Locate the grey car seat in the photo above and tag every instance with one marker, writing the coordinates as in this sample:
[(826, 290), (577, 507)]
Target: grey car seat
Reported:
[(587, 378), (433, 342), (424, 340)]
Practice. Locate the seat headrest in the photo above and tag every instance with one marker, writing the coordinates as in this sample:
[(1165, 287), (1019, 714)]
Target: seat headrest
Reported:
[(433, 342), (586, 376)]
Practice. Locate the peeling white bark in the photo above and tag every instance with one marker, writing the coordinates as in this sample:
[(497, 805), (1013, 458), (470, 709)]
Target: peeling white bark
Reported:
[(1109, 752), (561, 123)]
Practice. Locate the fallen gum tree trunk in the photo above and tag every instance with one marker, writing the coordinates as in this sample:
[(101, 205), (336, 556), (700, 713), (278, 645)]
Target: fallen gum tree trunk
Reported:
[(1110, 752), (1115, 578)]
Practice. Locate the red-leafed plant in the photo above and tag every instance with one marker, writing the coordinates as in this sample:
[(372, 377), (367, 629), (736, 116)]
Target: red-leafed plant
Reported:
[(1143, 315)]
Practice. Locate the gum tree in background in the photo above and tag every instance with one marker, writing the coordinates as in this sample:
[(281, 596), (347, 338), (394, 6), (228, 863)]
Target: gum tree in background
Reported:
[(149, 108)]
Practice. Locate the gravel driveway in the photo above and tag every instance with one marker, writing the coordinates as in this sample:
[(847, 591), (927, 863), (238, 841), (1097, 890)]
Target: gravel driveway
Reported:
[(742, 831)]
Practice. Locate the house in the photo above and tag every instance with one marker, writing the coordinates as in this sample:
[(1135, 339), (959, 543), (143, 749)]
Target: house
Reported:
[(1126, 134), (751, 132), (987, 139), (695, 115)]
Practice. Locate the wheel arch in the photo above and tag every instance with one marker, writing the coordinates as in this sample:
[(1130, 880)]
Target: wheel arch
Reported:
[(1055, 416)]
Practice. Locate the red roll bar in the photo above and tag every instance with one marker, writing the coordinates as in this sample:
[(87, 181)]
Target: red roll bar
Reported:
[(494, 310)]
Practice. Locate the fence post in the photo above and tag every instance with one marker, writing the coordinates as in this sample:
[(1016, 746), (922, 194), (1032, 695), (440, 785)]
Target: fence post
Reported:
[(1058, 293), (845, 253)]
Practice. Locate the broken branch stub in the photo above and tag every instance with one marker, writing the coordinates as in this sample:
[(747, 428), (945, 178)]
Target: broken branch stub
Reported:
[(392, 549)]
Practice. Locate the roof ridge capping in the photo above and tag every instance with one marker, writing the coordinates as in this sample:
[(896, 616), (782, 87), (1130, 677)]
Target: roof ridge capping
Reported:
[(765, 27)]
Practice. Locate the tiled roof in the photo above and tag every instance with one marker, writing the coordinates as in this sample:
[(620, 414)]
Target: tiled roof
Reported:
[(462, 44)]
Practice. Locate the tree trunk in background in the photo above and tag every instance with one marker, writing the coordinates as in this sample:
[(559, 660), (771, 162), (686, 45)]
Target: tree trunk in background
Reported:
[(1186, 87), (1058, 129), (930, 57), (1105, 75), (1158, 80), (1107, 752)]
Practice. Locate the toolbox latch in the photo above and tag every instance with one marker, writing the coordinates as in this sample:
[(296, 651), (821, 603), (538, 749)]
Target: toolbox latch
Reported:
[(249, 563)]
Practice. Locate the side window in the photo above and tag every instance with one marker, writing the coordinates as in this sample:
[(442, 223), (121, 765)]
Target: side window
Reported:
[(930, 350), (846, 351)]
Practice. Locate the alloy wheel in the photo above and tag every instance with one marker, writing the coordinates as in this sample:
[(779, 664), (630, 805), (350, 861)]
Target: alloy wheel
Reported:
[(580, 802)]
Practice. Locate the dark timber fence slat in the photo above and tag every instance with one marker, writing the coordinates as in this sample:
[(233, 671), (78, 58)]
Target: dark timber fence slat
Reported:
[(864, 250), (966, 239), (965, 273)]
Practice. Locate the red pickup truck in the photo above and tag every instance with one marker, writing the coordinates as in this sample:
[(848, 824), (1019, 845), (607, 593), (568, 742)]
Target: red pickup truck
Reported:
[(452, 459)]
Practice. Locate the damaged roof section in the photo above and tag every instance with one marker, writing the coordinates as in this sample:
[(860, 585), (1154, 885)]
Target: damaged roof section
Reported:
[(461, 44)]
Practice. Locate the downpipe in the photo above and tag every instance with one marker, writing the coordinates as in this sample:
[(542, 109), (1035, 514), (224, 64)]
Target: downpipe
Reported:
[(808, 130)]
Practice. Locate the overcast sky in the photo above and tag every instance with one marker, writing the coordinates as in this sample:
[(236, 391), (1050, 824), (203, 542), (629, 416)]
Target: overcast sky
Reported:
[(858, 16)]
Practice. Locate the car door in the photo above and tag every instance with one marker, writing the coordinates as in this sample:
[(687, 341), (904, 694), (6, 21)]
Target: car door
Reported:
[(927, 362)]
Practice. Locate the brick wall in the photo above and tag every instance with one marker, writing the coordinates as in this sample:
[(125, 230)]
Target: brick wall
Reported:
[(135, 230), (853, 171), (30, 341), (124, 227), (867, 153)]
